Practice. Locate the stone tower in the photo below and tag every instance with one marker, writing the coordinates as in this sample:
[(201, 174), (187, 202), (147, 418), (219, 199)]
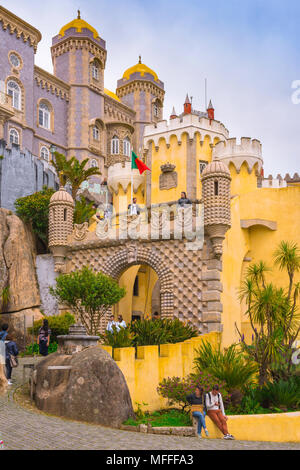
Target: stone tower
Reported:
[(216, 198), (79, 58), (141, 90), (61, 211)]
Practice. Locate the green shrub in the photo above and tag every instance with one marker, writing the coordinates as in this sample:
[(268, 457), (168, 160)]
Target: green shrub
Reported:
[(117, 339), (34, 209), (33, 349), (176, 389), (161, 331), (228, 365), (58, 324), (282, 394)]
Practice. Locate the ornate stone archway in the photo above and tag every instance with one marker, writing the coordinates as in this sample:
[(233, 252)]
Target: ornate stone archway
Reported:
[(134, 254)]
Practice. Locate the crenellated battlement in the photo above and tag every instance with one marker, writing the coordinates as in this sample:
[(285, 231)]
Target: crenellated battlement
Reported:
[(190, 124), (279, 181), (248, 151), (119, 174)]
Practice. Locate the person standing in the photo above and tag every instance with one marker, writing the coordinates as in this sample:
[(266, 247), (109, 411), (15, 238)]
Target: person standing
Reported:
[(43, 339), (3, 332), (134, 208), (197, 399), (120, 323), (111, 324), (183, 201), (215, 410), (11, 349)]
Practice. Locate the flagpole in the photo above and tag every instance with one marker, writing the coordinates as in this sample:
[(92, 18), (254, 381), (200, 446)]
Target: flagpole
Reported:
[(131, 195)]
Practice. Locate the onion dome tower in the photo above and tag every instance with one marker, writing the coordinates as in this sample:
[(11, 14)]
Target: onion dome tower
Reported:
[(216, 199), (61, 211), (141, 90)]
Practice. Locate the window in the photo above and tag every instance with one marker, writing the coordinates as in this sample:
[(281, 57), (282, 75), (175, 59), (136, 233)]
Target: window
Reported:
[(44, 115), (45, 153), (126, 147), (13, 90), (14, 60), (156, 110), (94, 163), (216, 188), (96, 133), (14, 137), (202, 165), (95, 71), (136, 287), (115, 145)]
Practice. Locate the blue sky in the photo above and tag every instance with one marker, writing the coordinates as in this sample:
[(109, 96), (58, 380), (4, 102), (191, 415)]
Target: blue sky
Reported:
[(248, 50)]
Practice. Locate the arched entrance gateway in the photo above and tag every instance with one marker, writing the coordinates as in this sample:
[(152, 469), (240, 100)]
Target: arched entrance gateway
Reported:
[(190, 286)]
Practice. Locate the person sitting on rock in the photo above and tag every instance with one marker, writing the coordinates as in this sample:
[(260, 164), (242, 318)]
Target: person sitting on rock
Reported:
[(216, 412), (197, 399)]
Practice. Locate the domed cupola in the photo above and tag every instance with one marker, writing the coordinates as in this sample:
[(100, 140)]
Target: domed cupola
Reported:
[(61, 211), (78, 26)]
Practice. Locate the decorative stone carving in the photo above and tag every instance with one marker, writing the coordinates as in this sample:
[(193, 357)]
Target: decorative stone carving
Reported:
[(80, 231), (169, 178)]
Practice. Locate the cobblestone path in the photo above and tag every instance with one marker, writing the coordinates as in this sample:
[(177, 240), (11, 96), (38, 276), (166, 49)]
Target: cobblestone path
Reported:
[(21, 428)]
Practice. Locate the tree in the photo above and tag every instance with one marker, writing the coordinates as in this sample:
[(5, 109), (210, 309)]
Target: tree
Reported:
[(272, 312), (34, 209), (73, 171), (88, 294)]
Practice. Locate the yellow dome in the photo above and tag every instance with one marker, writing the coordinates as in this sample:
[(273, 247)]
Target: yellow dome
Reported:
[(111, 94), (142, 69), (78, 24)]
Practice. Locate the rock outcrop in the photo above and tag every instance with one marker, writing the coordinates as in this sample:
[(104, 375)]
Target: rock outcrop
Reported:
[(90, 387), (17, 266)]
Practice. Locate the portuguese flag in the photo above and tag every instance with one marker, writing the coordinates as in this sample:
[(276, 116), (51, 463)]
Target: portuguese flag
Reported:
[(137, 164)]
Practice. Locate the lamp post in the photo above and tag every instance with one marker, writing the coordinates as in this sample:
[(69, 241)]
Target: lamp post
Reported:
[(52, 149)]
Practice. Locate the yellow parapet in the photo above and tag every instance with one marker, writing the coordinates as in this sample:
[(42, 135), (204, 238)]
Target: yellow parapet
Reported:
[(150, 366)]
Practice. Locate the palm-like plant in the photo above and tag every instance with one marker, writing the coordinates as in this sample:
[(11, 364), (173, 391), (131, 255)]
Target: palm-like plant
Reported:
[(77, 174), (83, 211), (73, 171), (228, 365), (272, 311)]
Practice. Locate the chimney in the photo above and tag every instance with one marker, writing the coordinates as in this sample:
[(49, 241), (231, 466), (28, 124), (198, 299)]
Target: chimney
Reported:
[(211, 111), (187, 105)]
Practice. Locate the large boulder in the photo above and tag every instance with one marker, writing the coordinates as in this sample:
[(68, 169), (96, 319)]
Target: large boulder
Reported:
[(92, 390)]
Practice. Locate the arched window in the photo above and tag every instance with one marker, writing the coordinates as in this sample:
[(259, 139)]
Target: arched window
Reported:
[(114, 145), (44, 115), (94, 163), (14, 90), (45, 153), (14, 137), (95, 71), (96, 133), (126, 147), (156, 109)]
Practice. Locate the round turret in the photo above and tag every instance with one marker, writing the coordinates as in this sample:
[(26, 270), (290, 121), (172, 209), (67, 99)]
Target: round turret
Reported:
[(61, 211), (216, 198)]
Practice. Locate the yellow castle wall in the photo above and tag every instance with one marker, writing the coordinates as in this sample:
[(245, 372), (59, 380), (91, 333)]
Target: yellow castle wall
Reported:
[(258, 243), (144, 373)]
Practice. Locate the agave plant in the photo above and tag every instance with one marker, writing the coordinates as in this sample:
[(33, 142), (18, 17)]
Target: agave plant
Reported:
[(151, 332), (228, 365)]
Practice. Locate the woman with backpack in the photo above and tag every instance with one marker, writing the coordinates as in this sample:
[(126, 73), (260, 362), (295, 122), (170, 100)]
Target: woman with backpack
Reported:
[(215, 410), (11, 352), (43, 339)]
